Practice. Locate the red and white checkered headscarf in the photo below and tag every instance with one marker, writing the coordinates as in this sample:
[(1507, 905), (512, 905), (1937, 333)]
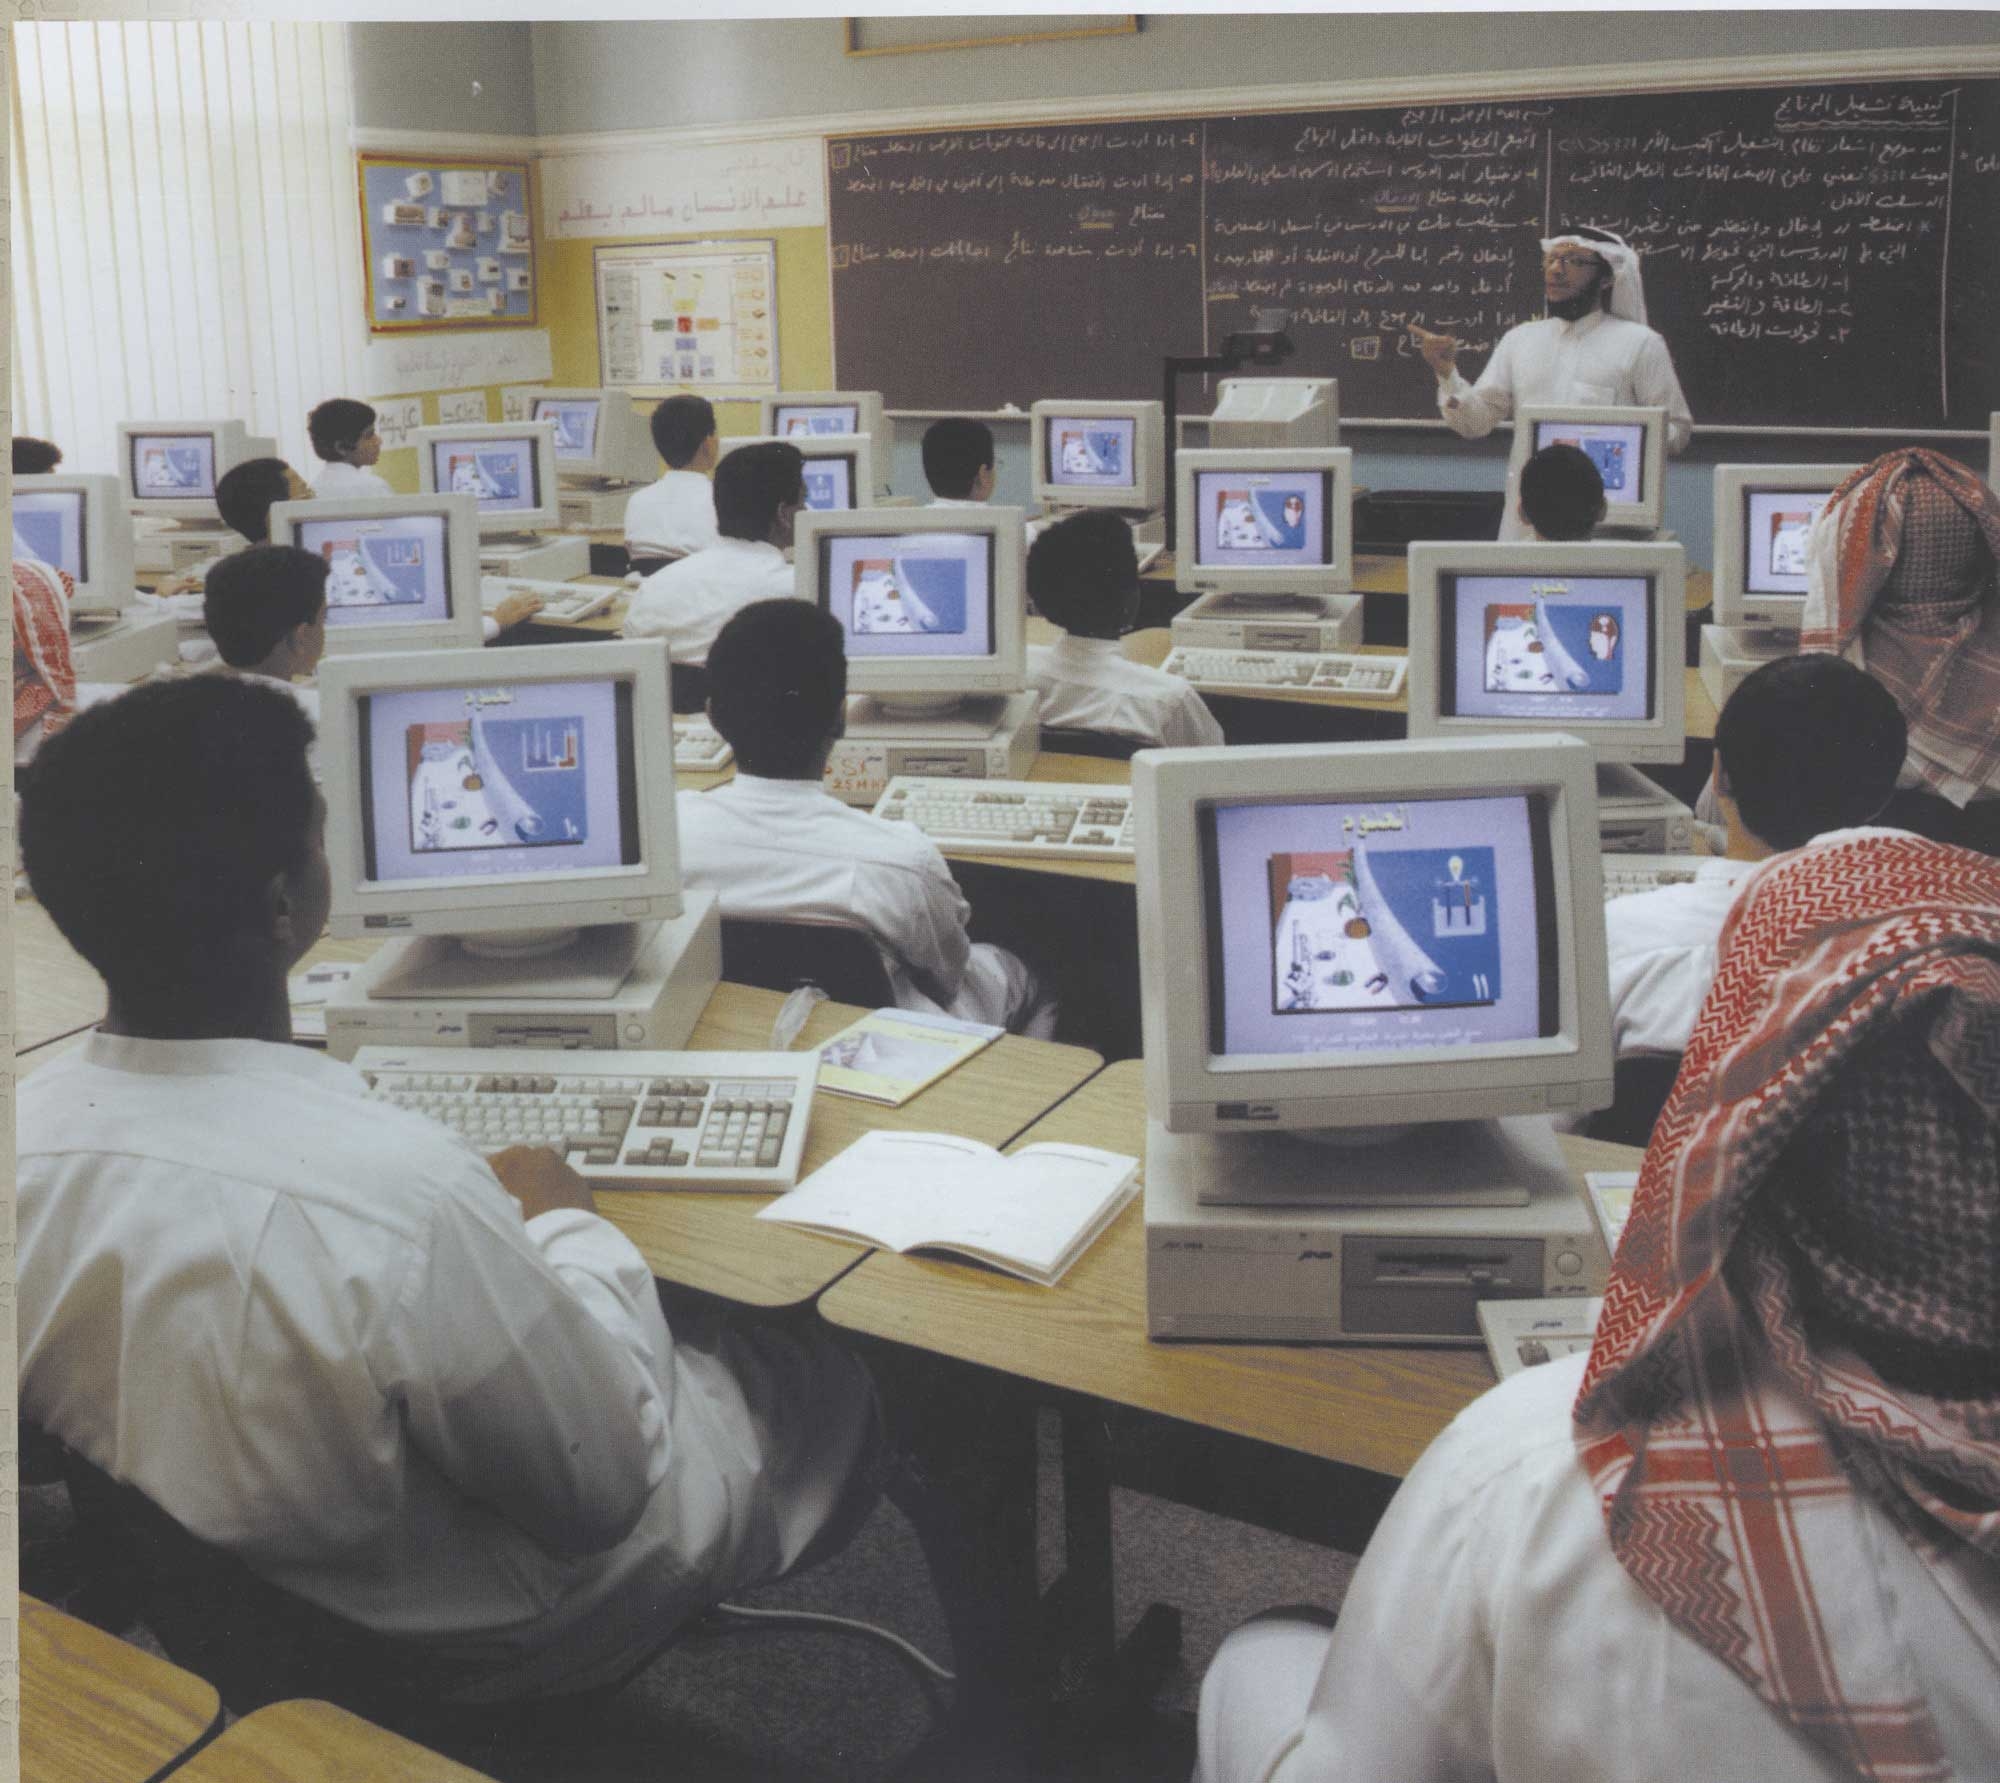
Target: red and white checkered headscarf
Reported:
[(44, 681), (1901, 580), (1805, 1303)]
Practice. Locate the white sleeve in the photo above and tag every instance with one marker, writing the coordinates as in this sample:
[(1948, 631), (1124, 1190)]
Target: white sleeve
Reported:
[(1654, 386), (489, 628), (1187, 723), (1407, 1690), (532, 1373), (647, 616), (1473, 410), (1655, 995), (920, 915)]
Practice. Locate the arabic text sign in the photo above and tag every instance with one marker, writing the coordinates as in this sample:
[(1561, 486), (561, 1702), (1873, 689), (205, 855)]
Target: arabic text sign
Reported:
[(457, 362), (777, 184), (688, 316)]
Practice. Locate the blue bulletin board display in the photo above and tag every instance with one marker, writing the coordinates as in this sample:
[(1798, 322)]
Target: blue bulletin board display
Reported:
[(447, 244)]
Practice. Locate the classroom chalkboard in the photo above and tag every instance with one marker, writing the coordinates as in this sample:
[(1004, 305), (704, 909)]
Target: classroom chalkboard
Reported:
[(1816, 256)]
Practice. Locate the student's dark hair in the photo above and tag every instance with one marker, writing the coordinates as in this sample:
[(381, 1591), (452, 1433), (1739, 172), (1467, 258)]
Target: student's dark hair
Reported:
[(1562, 492), (154, 823), (337, 425), (33, 457), (752, 484), (777, 678), (679, 426), (1082, 570), (1809, 744), (245, 495), (253, 597), (956, 450)]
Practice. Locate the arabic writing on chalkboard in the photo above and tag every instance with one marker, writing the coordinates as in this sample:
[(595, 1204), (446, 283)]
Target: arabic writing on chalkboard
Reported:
[(1813, 255)]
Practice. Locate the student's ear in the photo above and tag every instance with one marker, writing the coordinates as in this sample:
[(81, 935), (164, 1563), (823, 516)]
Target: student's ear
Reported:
[(280, 912)]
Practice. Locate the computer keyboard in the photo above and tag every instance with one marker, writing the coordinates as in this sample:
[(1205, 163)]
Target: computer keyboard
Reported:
[(1260, 671), (1628, 873), (625, 1120), (699, 747), (1057, 821), (563, 603)]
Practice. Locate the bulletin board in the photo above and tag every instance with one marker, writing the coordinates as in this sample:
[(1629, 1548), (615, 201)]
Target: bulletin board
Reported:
[(446, 244), (699, 316)]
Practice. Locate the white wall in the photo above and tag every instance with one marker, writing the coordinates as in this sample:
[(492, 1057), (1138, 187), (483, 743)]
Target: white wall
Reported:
[(609, 75)]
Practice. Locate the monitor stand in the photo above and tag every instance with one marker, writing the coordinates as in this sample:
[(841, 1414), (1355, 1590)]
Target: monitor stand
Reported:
[(1493, 1163), (592, 504), (1730, 652), (166, 547), (122, 646), (530, 557), (1307, 622), (1639, 816), (982, 737), (618, 985)]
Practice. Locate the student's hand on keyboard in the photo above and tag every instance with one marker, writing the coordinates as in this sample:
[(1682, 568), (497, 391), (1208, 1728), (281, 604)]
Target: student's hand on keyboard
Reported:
[(181, 584), (515, 608), (538, 1179)]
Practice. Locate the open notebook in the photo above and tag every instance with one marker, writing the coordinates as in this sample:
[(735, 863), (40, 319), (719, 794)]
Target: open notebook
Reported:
[(1031, 1213)]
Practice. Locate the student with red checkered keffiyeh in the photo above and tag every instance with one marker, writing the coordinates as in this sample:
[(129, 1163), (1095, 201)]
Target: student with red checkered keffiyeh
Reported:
[(44, 680), (1763, 1540), (1901, 580)]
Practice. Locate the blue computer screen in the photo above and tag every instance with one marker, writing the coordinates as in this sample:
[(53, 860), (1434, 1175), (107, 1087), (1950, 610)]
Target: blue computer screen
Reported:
[(1267, 519), (50, 525), (1546, 650), (910, 594), (382, 571), (501, 472)]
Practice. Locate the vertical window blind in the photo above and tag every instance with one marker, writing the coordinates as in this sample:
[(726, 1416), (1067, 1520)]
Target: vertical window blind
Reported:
[(182, 229)]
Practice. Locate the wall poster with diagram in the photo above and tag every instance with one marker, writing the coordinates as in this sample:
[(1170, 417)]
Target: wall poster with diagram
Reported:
[(446, 244), (699, 316)]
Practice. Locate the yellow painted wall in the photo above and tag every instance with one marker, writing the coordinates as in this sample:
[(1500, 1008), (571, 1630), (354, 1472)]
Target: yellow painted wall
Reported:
[(805, 315)]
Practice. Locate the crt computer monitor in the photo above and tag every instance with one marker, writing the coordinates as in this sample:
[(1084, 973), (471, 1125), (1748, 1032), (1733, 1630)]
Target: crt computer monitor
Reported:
[(1763, 515), (1268, 521), (509, 466), (1370, 934), (801, 415), (499, 792), (78, 523), (600, 437), (933, 600), (402, 570), (1098, 454), (170, 468), (1530, 636), (1628, 446), (839, 470)]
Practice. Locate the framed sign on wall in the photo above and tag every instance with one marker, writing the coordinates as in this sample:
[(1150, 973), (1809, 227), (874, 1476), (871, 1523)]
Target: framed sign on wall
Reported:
[(697, 315)]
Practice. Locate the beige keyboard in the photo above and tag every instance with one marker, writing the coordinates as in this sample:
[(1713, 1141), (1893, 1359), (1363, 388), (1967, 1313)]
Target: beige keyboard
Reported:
[(1053, 820), (1261, 671), (625, 1120), (563, 603), (1625, 874), (699, 746)]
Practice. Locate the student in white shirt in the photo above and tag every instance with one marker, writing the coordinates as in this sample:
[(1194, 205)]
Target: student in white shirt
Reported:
[(958, 462), (1751, 1535), (774, 843), (343, 433), (265, 607), (430, 1391), (676, 515), (1562, 494), (760, 491), (1806, 747), (1083, 575), (1593, 348)]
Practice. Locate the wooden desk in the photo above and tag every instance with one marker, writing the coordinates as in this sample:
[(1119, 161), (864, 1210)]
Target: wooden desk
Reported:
[(714, 1241), (95, 1709), (1362, 1405), (314, 1742)]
